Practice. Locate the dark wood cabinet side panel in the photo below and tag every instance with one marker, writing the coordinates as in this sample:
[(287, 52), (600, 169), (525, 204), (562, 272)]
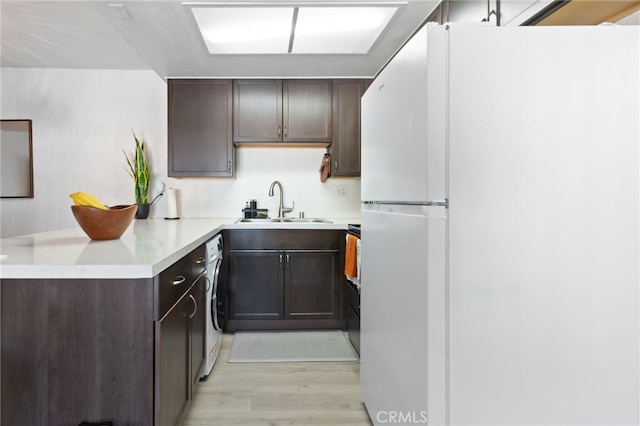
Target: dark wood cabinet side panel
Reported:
[(281, 239), (77, 350), (24, 343)]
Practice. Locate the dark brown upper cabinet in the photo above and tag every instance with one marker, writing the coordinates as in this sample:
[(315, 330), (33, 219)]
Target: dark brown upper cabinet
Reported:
[(200, 128), (345, 148), (282, 111)]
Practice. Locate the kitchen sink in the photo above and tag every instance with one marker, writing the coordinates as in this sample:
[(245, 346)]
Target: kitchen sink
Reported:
[(255, 220), (305, 220), (284, 220)]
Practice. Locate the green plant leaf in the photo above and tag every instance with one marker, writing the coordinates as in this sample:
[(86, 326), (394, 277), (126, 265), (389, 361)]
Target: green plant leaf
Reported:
[(139, 172)]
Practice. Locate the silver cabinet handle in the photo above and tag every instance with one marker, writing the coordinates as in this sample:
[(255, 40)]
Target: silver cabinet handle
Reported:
[(286, 132), (279, 131), (199, 260), (178, 280), (288, 261), (195, 306), (229, 167)]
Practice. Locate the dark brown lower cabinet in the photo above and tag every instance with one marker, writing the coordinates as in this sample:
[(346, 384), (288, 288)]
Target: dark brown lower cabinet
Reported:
[(180, 337), (285, 279), (197, 330), (256, 285), (100, 350), (311, 287), (173, 372)]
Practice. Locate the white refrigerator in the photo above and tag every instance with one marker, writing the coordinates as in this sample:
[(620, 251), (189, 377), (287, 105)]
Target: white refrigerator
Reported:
[(500, 228)]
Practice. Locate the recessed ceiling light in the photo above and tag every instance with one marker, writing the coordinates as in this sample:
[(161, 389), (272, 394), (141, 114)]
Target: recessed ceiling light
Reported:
[(310, 28), (339, 29), (245, 29)]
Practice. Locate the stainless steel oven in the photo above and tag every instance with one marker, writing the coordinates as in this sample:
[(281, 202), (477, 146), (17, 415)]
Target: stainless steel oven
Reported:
[(353, 291)]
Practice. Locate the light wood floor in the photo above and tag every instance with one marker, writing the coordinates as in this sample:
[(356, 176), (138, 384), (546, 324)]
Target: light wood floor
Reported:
[(299, 393)]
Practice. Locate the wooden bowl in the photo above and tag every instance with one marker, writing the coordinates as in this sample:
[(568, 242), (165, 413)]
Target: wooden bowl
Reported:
[(101, 224)]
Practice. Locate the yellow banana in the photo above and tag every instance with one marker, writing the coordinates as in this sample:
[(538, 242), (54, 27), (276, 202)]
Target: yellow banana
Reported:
[(85, 199), (77, 199)]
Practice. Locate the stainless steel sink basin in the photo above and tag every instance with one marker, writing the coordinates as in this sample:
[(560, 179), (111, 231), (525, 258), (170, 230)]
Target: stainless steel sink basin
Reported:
[(255, 220), (284, 220), (305, 220)]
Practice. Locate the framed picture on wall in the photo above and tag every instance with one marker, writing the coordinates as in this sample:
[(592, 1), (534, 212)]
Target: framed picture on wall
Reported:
[(16, 159)]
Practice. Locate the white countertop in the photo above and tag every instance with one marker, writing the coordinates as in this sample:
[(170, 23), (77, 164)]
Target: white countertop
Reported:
[(147, 247)]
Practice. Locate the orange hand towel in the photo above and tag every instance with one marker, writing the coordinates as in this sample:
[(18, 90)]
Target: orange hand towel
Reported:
[(351, 257)]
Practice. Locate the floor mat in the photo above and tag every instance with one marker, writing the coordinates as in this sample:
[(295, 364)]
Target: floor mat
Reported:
[(291, 346)]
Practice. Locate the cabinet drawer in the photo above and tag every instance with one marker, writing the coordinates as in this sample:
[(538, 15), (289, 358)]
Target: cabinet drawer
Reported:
[(279, 239), (175, 281), (197, 262)]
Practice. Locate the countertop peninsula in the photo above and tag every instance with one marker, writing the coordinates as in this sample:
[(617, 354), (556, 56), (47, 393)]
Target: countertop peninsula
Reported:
[(147, 248)]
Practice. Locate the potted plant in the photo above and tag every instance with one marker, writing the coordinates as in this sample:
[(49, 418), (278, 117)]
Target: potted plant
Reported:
[(139, 171)]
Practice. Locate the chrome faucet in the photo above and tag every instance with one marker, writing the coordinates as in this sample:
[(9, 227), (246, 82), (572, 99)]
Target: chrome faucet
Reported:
[(281, 208)]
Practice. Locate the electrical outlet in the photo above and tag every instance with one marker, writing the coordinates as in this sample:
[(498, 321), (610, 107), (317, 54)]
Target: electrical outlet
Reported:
[(342, 191)]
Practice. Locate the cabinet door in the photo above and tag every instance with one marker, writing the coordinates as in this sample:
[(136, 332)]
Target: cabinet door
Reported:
[(256, 284), (200, 128), (307, 111), (197, 316), (257, 111), (312, 284), (345, 148), (172, 355)]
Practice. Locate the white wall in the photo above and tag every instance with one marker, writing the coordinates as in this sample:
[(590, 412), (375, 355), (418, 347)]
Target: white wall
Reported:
[(82, 120)]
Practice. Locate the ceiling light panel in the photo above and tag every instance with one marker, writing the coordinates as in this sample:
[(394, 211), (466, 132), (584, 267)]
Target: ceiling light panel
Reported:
[(340, 30), (248, 30)]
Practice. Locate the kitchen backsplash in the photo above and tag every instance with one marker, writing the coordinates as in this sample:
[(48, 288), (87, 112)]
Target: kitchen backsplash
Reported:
[(82, 120), (256, 168)]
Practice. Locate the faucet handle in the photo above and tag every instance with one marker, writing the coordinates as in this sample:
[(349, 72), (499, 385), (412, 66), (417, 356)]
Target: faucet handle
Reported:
[(288, 209)]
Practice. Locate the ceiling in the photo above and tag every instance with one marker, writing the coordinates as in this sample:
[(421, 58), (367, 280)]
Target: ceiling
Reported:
[(163, 36)]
